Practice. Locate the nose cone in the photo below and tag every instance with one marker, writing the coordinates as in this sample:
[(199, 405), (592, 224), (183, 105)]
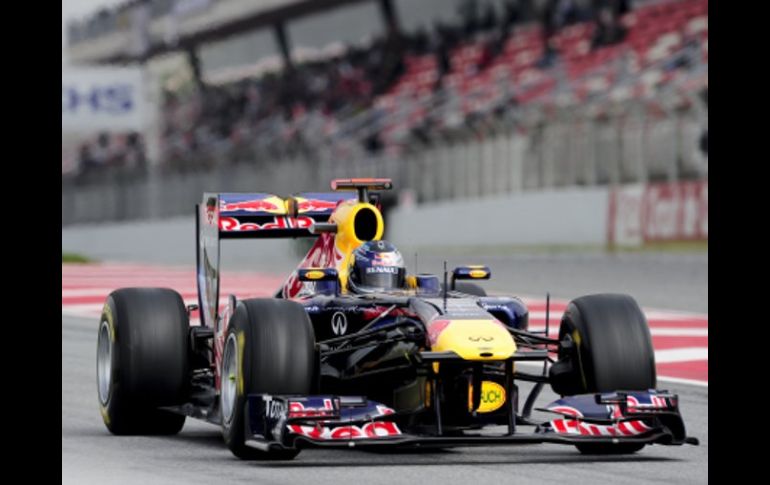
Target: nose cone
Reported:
[(475, 339)]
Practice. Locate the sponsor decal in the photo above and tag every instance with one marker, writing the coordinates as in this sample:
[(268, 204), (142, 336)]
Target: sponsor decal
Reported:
[(623, 428), (492, 397), (634, 405), (375, 429), (386, 259), (478, 338), (566, 410), (271, 204), (315, 205), (299, 410), (460, 307), (274, 409), (382, 269), (339, 323), (229, 224)]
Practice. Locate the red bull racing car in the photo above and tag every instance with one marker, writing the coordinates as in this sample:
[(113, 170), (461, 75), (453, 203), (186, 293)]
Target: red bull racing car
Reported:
[(352, 351)]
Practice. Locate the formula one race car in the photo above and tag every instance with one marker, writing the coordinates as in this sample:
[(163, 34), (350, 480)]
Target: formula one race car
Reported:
[(354, 352)]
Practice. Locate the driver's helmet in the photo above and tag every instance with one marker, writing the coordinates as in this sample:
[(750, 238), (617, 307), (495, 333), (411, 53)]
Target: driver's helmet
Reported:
[(376, 266)]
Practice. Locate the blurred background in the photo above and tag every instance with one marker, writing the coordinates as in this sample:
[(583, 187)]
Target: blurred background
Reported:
[(503, 123)]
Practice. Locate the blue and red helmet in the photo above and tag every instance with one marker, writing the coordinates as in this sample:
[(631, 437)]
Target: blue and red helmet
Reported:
[(376, 265)]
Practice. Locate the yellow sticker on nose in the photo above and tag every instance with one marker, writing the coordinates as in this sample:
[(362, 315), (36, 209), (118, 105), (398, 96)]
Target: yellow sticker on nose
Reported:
[(492, 397)]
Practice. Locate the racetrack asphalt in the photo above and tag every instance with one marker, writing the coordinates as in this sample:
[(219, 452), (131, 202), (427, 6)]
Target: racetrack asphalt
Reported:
[(90, 454)]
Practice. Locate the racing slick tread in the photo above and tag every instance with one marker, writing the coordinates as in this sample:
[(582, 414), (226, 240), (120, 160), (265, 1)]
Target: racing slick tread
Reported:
[(278, 358), (612, 350), (149, 360)]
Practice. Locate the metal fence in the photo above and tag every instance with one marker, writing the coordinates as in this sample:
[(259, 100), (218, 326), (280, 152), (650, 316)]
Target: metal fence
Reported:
[(625, 143)]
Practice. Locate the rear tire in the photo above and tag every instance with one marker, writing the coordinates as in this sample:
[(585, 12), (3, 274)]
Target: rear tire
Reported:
[(611, 351), (269, 348), (142, 360)]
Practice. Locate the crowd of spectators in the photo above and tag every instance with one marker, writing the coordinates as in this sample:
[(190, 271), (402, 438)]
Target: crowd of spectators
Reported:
[(299, 108), (110, 151), (283, 105), (312, 93)]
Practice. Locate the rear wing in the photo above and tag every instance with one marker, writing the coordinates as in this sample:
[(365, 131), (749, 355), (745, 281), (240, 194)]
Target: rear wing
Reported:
[(251, 216), (270, 216), (262, 215)]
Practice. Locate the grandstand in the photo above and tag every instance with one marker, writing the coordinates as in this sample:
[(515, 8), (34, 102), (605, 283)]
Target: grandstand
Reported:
[(547, 106)]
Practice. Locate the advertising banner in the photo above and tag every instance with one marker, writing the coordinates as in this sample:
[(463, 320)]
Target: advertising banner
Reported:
[(102, 99)]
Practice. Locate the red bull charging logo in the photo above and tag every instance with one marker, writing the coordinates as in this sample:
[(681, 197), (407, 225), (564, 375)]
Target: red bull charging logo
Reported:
[(272, 205)]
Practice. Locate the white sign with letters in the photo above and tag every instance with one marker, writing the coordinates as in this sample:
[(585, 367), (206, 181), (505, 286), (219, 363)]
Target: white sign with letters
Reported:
[(102, 98)]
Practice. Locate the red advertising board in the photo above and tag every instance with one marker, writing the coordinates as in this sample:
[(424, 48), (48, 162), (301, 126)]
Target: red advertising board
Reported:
[(676, 211)]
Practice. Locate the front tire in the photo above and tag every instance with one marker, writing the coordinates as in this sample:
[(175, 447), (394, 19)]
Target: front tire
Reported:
[(269, 348), (142, 361), (610, 349)]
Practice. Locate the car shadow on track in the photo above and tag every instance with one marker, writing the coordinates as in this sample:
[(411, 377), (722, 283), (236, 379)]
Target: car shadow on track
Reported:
[(508, 455), (455, 457), (298, 463)]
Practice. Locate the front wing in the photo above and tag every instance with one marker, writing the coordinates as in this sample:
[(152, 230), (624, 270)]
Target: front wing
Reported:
[(289, 422)]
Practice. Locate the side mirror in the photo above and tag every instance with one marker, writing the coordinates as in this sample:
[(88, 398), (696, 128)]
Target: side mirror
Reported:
[(326, 279), (470, 272)]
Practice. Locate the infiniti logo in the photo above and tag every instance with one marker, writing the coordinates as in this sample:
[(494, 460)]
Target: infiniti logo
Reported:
[(339, 323), (477, 339)]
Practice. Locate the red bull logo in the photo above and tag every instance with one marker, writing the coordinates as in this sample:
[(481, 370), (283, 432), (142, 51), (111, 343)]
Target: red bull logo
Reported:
[(273, 205), (386, 259), (231, 224), (374, 429), (315, 205)]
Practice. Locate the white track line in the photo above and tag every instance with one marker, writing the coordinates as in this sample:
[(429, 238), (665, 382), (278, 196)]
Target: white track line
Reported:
[(679, 332), (681, 380), (686, 354)]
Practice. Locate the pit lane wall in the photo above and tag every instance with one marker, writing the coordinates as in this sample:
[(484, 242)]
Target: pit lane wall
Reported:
[(626, 215)]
